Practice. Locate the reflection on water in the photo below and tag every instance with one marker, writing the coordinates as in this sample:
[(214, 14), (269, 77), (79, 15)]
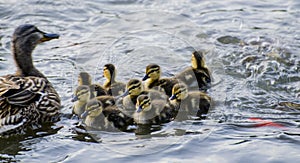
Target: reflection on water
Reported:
[(252, 49)]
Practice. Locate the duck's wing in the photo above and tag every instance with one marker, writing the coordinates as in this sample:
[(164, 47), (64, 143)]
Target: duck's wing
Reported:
[(22, 95), (20, 91), (98, 90)]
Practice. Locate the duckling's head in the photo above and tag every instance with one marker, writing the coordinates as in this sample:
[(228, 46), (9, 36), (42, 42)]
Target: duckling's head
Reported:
[(179, 92), (198, 60), (84, 78), (134, 87), (93, 109), (143, 103), (109, 71), (152, 72), (82, 94), (24, 40)]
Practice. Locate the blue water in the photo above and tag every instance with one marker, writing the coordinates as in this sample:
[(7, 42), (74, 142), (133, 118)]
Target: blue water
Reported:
[(252, 50)]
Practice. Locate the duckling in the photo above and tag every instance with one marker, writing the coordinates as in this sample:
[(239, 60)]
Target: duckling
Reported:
[(112, 86), (85, 78), (81, 96), (94, 118), (193, 103), (134, 88), (153, 111), (153, 80), (27, 98), (196, 77)]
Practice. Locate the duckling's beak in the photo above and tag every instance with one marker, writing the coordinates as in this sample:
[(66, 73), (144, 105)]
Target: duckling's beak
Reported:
[(84, 114), (172, 97), (49, 36), (139, 109), (74, 98), (125, 93), (145, 77)]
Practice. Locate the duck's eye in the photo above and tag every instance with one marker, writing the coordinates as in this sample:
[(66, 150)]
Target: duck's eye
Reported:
[(82, 92)]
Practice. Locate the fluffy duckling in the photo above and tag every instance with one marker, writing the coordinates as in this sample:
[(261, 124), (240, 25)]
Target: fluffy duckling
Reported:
[(113, 87), (113, 117), (194, 103), (153, 111), (85, 78), (153, 80), (134, 88), (94, 118), (27, 98), (196, 77), (80, 98)]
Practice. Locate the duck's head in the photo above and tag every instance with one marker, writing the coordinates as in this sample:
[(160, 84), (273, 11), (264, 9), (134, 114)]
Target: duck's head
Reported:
[(24, 40), (198, 60), (143, 103), (179, 92), (93, 109), (134, 87), (82, 94), (84, 78), (152, 72), (28, 36), (109, 71)]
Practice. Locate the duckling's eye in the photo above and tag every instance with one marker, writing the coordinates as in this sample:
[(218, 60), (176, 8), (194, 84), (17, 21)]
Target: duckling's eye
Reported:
[(82, 92), (134, 87)]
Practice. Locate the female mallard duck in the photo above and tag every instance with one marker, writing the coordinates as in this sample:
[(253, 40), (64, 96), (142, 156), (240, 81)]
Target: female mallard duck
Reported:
[(27, 98), (194, 103), (80, 98), (153, 111), (153, 80), (112, 86), (85, 78), (196, 77)]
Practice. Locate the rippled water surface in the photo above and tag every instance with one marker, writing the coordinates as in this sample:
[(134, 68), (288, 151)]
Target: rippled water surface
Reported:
[(252, 50)]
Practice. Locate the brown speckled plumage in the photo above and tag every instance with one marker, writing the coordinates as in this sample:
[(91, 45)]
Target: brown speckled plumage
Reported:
[(27, 98)]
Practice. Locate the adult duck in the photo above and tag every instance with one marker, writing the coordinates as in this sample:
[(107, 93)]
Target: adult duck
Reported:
[(27, 98)]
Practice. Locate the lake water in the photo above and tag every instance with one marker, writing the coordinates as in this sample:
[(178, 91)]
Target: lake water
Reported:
[(252, 51)]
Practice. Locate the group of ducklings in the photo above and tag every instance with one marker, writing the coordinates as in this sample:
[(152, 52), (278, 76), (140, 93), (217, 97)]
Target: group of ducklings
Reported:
[(152, 100)]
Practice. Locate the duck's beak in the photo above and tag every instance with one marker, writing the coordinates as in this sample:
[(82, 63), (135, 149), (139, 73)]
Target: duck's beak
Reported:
[(74, 98), (84, 114), (139, 109), (125, 93), (49, 36), (172, 97), (145, 77)]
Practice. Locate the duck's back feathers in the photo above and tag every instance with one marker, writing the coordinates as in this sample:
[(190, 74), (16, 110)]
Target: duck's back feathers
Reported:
[(27, 100)]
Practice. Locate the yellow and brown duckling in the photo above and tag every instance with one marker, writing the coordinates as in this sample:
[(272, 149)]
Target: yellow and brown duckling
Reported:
[(134, 88), (94, 118), (27, 98), (85, 78), (189, 104), (197, 76), (112, 86), (102, 114), (153, 111), (80, 98), (154, 81)]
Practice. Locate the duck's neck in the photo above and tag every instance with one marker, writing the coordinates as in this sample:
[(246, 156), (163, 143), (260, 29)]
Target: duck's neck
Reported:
[(108, 82), (24, 63)]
